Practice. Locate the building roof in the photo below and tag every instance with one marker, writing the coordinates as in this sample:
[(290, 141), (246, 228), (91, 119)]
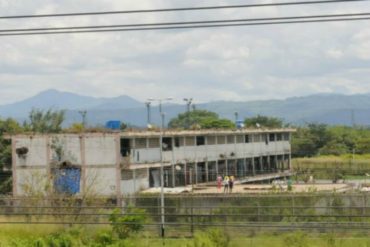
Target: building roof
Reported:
[(166, 132)]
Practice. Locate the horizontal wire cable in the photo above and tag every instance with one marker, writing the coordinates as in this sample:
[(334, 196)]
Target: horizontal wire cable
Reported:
[(184, 23), (182, 27), (179, 9)]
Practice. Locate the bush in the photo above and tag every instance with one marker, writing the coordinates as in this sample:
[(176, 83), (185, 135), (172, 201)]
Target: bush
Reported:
[(130, 222), (297, 239), (211, 238)]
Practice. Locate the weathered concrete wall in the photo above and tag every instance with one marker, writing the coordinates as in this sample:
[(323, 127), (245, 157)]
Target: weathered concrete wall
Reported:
[(101, 181), (132, 186), (37, 151), (32, 181), (100, 150), (71, 146)]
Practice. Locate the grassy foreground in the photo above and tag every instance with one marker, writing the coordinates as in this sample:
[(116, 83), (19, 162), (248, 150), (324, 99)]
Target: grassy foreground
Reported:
[(56, 236)]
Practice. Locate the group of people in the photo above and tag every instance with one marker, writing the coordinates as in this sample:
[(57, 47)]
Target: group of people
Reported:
[(227, 182)]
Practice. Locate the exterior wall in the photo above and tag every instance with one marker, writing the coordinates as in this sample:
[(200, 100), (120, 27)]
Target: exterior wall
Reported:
[(31, 180), (134, 185), (101, 181), (100, 150), (96, 154), (101, 161), (37, 152)]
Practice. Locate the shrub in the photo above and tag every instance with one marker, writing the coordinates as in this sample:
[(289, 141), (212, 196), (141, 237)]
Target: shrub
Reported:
[(297, 239), (130, 222), (211, 238)]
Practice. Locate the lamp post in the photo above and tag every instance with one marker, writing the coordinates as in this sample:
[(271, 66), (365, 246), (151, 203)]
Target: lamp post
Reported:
[(148, 112), (236, 119), (188, 103), (83, 115), (161, 158)]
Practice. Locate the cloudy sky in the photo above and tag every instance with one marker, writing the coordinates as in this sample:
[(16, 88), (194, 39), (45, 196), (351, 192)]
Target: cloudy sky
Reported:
[(234, 63)]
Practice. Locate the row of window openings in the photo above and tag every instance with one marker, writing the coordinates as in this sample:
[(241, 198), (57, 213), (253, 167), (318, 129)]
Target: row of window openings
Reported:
[(169, 142)]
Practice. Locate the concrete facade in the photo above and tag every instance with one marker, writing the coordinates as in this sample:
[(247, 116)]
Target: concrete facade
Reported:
[(113, 164)]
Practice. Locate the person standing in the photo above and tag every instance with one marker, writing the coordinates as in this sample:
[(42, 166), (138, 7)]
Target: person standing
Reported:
[(219, 183), (231, 184), (226, 184)]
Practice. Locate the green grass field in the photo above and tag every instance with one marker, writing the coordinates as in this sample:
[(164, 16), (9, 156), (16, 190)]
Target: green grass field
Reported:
[(57, 236)]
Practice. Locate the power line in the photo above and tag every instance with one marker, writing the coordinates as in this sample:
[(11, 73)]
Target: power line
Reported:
[(178, 9), (182, 27), (183, 23)]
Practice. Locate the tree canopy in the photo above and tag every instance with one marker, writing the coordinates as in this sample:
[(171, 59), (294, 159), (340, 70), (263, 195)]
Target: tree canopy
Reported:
[(200, 118), (263, 121), (45, 121)]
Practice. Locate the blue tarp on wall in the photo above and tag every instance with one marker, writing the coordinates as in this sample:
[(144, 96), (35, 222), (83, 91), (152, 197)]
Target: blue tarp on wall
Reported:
[(67, 180)]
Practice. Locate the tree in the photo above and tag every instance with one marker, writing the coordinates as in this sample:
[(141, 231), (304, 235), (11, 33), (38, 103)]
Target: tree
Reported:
[(45, 121), (8, 126), (263, 121), (202, 118)]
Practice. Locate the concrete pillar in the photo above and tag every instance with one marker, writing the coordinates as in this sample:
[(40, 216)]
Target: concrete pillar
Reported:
[(207, 172), (134, 179), (261, 163), (173, 174), (196, 172), (253, 167), (245, 167), (227, 167), (217, 173), (83, 162), (185, 179), (269, 164), (14, 167), (118, 169)]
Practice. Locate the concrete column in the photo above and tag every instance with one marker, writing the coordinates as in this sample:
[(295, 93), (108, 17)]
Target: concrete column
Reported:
[(48, 162), (196, 172), (269, 164), (173, 175), (83, 162), (227, 166), (134, 179), (261, 163), (253, 167), (185, 179), (14, 167), (118, 169), (244, 167), (207, 172), (217, 173), (290, 161)]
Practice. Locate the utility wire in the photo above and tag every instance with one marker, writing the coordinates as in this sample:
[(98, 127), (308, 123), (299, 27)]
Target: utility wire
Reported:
[(182, 27), (179, 9), (183, 23)]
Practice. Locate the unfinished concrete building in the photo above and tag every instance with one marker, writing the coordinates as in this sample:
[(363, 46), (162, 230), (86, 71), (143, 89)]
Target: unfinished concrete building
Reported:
[(112, 164)]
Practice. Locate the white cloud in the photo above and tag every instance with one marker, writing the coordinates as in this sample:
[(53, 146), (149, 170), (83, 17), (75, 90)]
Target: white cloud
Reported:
[(240, 63)]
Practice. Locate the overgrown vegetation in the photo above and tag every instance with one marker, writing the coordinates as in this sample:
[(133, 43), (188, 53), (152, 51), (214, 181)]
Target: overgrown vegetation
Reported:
[(200, 119), (320, 139)]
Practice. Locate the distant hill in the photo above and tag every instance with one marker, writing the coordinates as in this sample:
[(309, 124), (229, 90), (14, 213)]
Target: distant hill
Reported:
[(322, 108), (64, 100)]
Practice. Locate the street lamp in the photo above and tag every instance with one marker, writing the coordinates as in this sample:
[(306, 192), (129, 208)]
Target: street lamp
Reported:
[(160, 106), (147, 103), (83, 115), (162, 114), (188, 103)]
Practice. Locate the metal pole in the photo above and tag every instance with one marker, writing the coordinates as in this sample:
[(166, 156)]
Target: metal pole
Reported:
[(83, 114), (148, 112), (162, 180)]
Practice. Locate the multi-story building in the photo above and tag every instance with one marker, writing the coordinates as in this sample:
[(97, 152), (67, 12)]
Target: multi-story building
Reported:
[(112, 164)]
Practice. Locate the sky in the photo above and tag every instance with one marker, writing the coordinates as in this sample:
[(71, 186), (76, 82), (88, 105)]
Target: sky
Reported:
[(233, 63)]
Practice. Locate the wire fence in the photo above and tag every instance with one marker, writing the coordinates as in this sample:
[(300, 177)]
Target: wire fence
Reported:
[(184, 214)]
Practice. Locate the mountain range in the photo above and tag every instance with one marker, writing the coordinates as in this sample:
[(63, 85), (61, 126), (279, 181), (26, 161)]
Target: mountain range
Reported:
[(321, 108)]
